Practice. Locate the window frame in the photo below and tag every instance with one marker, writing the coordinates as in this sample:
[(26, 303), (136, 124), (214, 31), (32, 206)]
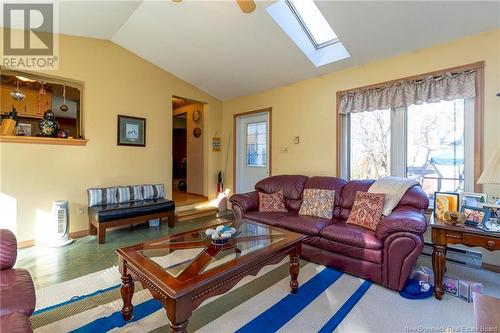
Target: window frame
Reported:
[(308, 32), (246, 147), (473, 166)]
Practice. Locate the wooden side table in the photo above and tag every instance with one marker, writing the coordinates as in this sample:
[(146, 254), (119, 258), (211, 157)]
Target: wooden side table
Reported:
[(444, 234)]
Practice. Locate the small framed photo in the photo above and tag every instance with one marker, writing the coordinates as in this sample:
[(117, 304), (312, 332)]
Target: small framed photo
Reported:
[(131, 131), (450, 286), (473, 199), (445, 202), (475, 215), (23, 129)]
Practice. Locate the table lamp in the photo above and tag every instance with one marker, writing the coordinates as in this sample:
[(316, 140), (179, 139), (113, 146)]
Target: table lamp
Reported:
[(491, 173)]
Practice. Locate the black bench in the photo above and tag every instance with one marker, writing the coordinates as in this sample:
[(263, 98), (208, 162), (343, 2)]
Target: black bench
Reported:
[(106, 211)]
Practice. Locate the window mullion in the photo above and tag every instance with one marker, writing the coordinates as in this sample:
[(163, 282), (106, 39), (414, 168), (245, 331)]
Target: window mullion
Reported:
[(398, 142)]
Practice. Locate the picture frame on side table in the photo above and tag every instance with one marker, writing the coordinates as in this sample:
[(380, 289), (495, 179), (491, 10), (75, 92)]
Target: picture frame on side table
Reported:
[(445, 202), (131, 131), (475, 215), (473, 199)]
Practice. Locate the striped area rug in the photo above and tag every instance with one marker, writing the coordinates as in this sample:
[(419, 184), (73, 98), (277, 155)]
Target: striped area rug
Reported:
[(259, 303)]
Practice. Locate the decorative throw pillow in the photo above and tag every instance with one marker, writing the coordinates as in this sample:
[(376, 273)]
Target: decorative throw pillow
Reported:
[(367, 209), (101, 196), (129, 193), (153, 192), (272, 203), (319, 203)]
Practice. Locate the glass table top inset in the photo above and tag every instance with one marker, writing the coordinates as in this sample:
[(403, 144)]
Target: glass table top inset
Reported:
[(190, 254)]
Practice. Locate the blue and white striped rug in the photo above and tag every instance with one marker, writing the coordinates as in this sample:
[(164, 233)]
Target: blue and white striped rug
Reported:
[(327, 301)]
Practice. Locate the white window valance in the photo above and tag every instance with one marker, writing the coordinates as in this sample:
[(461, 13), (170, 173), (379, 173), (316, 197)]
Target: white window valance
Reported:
[(432, 89)]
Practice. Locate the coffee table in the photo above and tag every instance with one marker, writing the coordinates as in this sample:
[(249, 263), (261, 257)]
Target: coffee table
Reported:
[(185, 269)]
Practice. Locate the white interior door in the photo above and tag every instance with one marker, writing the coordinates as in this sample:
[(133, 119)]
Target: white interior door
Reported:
[(252, 150)]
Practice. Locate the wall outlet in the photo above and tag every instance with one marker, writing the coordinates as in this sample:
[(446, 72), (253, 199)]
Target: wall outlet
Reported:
[(81, 211), (296, 139)]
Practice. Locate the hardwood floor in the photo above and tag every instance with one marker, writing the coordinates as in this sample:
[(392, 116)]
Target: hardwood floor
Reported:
[(185, 199), (48, 265)]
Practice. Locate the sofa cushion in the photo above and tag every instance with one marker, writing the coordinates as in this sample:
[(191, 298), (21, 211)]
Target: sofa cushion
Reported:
[(352, 251), (272, 202), (349, 194), (102, 196), (267, 218), (17, 292), (155, 191), (308, 225), (317, 202), (129, 193), (367, 210), (291, 185), (328, 183), (113, 212), (350, 234)]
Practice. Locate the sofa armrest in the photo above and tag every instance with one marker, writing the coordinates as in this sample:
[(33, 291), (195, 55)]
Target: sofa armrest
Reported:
[(246, 201), (8, 249), (402, 220)]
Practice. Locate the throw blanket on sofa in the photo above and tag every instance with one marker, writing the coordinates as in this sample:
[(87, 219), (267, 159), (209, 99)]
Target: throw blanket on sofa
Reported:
[(394, 188)]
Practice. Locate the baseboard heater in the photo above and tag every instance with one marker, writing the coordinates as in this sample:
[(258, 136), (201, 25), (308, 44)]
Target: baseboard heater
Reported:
[(461, 256)]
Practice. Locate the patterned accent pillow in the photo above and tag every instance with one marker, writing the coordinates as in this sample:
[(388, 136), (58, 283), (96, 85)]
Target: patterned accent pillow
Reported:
[(102, 196), (272, 202), (319, 203), (129, 193), (155, 191), (367, 209)]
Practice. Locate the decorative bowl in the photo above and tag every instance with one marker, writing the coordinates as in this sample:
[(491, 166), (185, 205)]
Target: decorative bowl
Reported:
[(220, 235), (453, 217)]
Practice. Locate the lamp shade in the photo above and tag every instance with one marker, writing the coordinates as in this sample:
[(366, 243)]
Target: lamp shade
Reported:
[(491, 174)]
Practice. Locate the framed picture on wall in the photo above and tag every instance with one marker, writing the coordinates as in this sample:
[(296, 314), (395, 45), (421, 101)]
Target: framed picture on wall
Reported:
[(131, 131)]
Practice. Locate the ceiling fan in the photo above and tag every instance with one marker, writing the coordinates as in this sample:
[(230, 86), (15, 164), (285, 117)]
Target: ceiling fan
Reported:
[(246, 6)]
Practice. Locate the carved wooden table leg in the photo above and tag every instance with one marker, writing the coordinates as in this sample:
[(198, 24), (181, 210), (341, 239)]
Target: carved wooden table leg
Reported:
[(127, 290), (294, 271), (179, 328), (438, 267), (178, 313)]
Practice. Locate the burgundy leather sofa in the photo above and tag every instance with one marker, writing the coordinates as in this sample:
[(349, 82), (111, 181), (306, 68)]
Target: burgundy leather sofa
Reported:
[(17, 293), (385, 256)]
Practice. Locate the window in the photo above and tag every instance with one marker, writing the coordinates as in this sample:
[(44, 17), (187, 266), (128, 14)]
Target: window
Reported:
[(306, 26), (313, 22), (435, 145), (428, 142), (37, 95), (370, 144), (257, 144)]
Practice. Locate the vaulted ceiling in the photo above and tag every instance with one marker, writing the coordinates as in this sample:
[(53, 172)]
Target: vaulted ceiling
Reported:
[(217, 48)]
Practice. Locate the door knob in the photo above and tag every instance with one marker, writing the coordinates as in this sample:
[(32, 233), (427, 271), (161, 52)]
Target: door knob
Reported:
[(491, 244)]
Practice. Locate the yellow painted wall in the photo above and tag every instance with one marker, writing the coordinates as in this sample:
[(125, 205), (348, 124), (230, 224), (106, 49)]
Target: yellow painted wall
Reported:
[(308, 108), (116, 82)]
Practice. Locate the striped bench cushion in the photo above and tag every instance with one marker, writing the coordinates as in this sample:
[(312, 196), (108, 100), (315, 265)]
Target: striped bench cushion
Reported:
[(102, 196), (155, 191), (129, 193)]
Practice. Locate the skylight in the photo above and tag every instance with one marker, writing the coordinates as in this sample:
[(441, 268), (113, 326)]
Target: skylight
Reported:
[(313, 22)]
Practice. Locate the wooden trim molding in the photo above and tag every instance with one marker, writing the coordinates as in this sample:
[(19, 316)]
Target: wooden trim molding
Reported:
[(491, 267), (32, 242), (248, 113), (478, 112), (42, 140)]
